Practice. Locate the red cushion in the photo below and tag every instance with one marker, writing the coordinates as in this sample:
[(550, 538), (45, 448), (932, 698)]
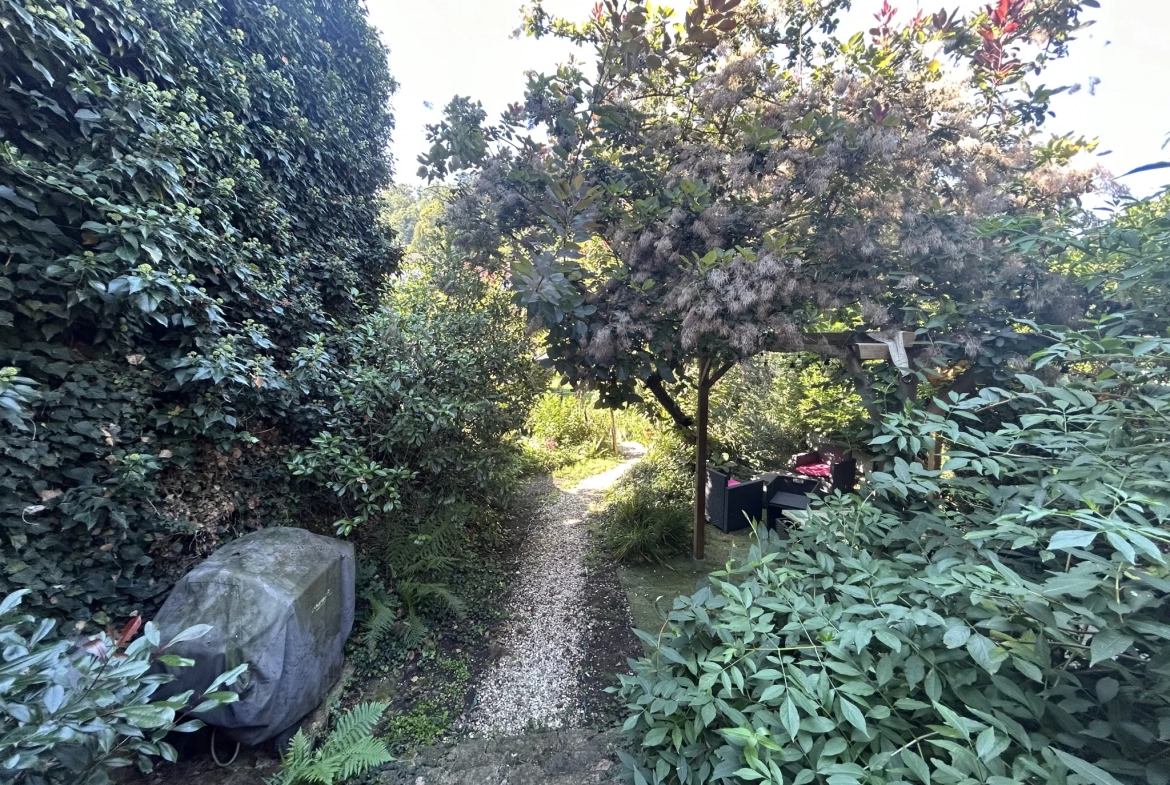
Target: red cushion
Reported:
[(814, 469), (731, 483)]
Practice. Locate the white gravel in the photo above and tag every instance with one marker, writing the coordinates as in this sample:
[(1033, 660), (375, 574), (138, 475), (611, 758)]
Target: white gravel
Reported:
[(533, 683)]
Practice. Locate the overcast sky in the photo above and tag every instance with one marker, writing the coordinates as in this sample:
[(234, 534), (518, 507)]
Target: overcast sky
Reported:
[(440, 48)]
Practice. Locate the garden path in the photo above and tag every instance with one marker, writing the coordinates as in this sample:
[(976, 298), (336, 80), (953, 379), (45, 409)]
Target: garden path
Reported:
[(534, 679)]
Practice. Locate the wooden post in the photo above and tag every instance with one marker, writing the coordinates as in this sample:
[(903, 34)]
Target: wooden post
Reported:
[(700, 542)]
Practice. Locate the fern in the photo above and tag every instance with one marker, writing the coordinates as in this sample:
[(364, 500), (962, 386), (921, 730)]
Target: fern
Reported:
[(419, 561), (380, 621), (349, 750)]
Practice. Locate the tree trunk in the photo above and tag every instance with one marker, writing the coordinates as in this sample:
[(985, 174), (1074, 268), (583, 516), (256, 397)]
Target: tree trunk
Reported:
[(613, 431), (700, 541)]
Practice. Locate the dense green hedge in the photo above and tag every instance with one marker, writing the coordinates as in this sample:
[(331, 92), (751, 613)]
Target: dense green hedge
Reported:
[(187, 196)]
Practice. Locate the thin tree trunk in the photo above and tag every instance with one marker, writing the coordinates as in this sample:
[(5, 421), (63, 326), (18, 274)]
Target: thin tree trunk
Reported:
[(613, 431), (700, 541)]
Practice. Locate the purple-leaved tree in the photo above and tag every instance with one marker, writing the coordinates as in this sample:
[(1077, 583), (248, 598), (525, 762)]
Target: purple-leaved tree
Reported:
[(742, 179)]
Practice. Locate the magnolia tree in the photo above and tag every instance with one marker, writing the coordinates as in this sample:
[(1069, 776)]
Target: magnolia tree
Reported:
[(742, 179)]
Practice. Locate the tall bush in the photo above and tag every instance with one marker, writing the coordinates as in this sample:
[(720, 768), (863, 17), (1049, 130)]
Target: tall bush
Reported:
[(767, 410), (188, 191), (422, 392), (1004, 619)]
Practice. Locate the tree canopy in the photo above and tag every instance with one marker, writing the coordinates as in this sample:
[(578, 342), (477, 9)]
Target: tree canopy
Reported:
[(744, 178)]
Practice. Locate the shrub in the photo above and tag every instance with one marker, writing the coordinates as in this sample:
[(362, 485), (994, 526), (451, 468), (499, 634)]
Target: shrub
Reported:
[(189, 191), (643, 526), (1002, 621), (667, 470), (412, 452), (71, 711)]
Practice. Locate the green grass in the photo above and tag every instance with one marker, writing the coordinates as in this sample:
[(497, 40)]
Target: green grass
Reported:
[(573, 473), (640, 526), (651, 587)]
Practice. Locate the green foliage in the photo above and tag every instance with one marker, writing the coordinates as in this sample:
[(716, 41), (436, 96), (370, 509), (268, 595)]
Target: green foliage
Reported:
[(641, 525), (423, 390), (348, 751), (667, 470), (566, 427), (574, 473), (1003, 619), (72, 711), (422, 726), (767, 410), (734, 193), (189, 191)]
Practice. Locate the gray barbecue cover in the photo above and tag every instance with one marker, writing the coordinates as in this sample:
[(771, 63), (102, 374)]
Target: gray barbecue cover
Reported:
[(281, 600)]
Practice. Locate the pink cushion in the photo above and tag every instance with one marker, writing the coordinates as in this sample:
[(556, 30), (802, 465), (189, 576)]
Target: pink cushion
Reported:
[(731, 483), (814, 469)]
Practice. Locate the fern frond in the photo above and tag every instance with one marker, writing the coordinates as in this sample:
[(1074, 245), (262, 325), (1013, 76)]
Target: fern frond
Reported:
[(414, 593), (349, 750), (379, 622), (323, 771), (300, 750), (364, 755), (353, 726), (412, 630)]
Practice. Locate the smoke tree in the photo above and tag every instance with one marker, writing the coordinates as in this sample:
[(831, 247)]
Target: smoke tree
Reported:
[(744, 179)]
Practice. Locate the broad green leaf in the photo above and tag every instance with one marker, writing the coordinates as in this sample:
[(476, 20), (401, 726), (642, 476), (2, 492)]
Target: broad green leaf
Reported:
[(957, 636), (917, 765), (853, 715), (1071, 539), (1108, 645), (789, 717), (1093, 774), (953, 720), (985, 653)]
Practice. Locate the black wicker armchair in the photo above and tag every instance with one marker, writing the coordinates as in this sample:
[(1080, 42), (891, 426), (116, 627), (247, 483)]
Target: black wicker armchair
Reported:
[(730, 503)]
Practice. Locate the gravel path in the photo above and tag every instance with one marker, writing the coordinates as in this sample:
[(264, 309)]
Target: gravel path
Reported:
[(533, 681)]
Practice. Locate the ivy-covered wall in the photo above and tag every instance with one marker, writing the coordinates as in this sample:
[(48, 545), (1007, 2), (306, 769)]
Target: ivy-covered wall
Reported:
[(187, 196)]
